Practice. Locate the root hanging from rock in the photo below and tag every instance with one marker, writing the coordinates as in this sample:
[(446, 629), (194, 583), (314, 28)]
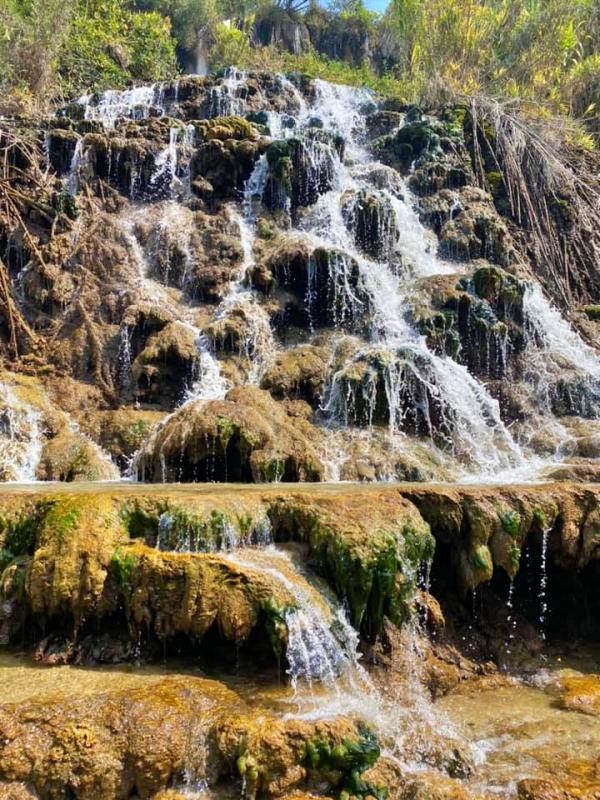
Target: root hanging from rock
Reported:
[(547, 193)]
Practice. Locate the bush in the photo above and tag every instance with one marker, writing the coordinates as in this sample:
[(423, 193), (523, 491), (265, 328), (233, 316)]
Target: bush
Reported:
[(58, 48)]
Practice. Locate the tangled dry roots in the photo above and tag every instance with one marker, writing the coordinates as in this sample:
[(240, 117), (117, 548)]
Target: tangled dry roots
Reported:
[(549, 194)]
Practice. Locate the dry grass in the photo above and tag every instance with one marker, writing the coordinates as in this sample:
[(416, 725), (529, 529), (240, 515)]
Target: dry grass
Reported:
[(552, 193)]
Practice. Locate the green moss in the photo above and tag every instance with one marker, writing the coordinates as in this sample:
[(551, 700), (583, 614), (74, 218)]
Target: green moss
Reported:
[(140, 523), (121, 567), (511, 522), (515, 557), (65, 203), (223, 128), (350, 758), (18, 535), (480, 558), (540, 518), (62, 519), (265, 229), (272, 470), (592, 312), (275, 625), (226, 430)]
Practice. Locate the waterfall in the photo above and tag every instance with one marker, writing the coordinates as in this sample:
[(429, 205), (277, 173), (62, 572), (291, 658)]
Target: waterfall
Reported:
[(471, 426), (552, 348), (228, 99), (315, 654), (72, 180), (112, 105), (368, 252), (20, 438)]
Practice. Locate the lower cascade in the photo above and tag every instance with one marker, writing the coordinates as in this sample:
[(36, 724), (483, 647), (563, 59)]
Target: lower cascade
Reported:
[(324, 642), (299, 450)]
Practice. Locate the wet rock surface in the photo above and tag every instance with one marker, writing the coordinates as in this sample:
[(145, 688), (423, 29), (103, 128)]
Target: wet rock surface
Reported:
[(211, 233), (125, 573)]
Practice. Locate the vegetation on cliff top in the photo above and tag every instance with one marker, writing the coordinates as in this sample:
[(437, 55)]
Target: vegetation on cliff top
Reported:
[(418, 50)]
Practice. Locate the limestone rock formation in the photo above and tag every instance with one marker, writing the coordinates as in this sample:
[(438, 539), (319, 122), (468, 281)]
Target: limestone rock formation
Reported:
[(246, 437)]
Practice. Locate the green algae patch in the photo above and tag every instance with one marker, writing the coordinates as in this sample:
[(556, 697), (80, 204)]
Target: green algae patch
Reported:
[(488, 527), (275, 624), (350, 759), (274, 757)]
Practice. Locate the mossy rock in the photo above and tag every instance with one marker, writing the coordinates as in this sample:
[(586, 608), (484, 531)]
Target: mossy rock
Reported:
[(247, 437), (301, 171)]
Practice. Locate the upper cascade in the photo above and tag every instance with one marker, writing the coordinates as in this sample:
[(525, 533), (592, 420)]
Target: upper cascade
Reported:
[(274, 278)]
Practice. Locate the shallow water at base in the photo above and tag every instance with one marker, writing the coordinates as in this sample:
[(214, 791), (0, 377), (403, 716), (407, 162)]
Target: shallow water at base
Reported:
[(519, 731)]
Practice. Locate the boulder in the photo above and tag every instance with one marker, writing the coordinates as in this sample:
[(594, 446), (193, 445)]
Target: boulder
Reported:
[(298, 373), (370, 219), (247, 437), (165, 367)]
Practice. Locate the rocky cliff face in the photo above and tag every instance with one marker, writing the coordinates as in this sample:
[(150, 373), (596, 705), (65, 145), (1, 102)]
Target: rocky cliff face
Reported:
[(252, 278)]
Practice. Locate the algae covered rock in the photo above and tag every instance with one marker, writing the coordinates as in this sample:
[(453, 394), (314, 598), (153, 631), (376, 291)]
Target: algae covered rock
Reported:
[(371, 562), (370, 218), (418, 137), (165, 366), (150, 741), (275, 757), (478, 321), (247, 437), (476, 231), (300, 171), (38, 441), (70, 456), (323, 285), (225, 157), (121, 432)]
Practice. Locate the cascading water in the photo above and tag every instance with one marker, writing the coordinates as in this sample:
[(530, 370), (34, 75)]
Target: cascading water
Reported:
[(470, 422), (20, 438), (228, 98), (113, 105), (552, 347), (360, 217), (543, 582)]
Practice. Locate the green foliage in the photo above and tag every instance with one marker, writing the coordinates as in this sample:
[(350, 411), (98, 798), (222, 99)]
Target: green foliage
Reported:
[(55, 48), (109, 45), (121, 566)]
